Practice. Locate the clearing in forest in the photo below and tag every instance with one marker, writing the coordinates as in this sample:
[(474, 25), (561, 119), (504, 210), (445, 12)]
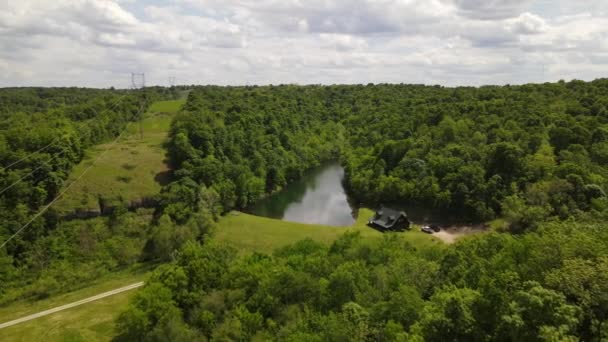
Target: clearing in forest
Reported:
[(250, 233), (134, 168)]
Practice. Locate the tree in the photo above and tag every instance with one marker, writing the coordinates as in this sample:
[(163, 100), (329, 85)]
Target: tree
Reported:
[(180, 199), (451, 312), (153, 306), (356, 319), (403, 307), (537, 313), (520, 215), (560, 138), (585, 282), (505, 159)]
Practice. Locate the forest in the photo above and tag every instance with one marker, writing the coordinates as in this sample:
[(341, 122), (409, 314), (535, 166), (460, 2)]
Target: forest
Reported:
[(532, 155), (528, 152)]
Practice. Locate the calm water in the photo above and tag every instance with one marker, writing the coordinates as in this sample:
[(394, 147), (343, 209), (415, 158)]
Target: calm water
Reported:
[(316, 198)]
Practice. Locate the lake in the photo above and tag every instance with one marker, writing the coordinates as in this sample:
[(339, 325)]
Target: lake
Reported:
[(318, 197)]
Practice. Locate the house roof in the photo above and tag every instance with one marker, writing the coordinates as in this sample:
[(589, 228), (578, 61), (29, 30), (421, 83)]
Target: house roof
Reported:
[(386, 217)]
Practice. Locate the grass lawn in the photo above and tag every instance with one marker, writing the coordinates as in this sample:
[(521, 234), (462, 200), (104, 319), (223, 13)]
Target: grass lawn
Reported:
[(92, 321), (89, 322), (170, 106), (133, 168), (250, 233)]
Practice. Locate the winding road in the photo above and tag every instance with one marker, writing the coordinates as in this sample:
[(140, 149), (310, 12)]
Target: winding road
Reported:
[(71, 305)]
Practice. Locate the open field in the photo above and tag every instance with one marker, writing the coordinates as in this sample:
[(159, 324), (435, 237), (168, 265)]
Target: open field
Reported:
[(251, 233), (93, 321), (89, 322), (134, 168)]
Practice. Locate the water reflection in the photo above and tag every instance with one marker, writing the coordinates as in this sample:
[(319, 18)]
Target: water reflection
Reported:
[(317, 198)]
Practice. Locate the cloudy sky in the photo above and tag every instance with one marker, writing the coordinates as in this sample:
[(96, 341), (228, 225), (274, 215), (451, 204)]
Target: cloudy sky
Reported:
[(450, 42)]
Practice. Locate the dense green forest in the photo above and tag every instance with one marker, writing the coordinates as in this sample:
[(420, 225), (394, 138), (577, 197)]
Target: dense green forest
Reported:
[(550, 285), (533, 155), (528, 152)]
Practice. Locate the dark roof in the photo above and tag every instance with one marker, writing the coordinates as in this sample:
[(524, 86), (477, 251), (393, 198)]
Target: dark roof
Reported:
[(386, 217)]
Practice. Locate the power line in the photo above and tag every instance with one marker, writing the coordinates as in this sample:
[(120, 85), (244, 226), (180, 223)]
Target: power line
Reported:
[(36, 169), (46, 207), (29, 155)]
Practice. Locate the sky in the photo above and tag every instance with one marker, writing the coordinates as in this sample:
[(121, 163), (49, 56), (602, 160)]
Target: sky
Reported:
[(99, 43)]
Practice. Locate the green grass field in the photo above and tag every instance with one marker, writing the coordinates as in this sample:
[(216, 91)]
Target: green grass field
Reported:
[(92, 321), (133, 168), (169, 106), (89, 322), (251, 233)]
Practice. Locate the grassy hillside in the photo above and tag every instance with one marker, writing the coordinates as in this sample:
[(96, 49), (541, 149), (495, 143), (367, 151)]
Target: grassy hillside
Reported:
[(93, 321), (135, 166), (251, 233)]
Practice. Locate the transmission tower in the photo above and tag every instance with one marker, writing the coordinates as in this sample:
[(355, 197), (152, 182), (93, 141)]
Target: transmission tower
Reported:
[(138, 80), (171, 81)]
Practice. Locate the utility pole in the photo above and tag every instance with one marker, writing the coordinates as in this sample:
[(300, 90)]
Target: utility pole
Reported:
[(138, 81), (544, 75), (141, 123)]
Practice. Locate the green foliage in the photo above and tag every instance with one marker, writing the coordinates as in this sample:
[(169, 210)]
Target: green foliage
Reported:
[(341, 292), (252, 144), (495, 287), (537, 313), (464, 151), (453, 313), (44, 134), (533, 155)]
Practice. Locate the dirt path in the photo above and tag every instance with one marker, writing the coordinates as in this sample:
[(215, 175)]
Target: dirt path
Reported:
[(449, 235), (71, 305)]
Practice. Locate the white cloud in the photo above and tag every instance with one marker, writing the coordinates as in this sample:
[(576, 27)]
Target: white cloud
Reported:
[(527, 23), (342, 42), (119, 39), (491, 9), (99, 42)]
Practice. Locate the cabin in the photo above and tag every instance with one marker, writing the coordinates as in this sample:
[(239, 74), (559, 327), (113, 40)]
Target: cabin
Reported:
[(387, 219)]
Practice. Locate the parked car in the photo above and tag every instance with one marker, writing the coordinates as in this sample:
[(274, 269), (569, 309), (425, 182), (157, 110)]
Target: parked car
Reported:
[(427, 229), (435, 228)]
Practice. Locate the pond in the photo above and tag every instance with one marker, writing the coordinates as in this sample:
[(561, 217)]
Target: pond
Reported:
[(318, 197)]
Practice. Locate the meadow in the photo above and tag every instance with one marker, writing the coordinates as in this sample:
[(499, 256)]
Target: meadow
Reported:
[(133, 168), (250, 233)]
